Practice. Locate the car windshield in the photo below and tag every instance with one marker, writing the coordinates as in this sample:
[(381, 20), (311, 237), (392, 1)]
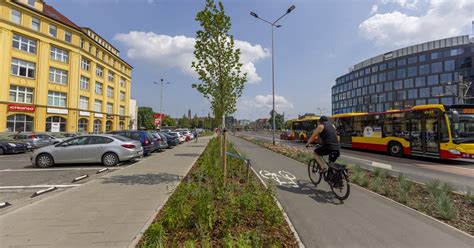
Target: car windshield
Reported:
[(463, 131), (122, 138), (57, 135)]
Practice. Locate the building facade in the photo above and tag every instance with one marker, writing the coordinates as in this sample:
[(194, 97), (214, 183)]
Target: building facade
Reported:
[(56, 76), (434, 72)]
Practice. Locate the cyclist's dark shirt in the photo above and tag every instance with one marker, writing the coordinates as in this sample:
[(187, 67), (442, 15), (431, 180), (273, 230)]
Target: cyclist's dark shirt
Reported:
[(329, 137)]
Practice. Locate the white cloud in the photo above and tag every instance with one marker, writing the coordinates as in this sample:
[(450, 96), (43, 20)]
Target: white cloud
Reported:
[(442, 19), (265, 102), (403, 3), (374, 9), (169, 52)]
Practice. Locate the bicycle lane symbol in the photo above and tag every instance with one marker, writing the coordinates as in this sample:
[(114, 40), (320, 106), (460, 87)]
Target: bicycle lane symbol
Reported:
[(282, 177)]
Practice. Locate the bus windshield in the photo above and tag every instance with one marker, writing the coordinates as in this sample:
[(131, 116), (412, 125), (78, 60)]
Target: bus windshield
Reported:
[(463, 130)]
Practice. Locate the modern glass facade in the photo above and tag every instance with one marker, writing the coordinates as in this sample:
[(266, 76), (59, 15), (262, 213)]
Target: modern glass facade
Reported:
[(427, 73)]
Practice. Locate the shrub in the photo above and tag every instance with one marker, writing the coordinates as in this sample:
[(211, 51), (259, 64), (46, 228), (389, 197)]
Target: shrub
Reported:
[(377, 184), (404, 189), (445, 206), (155, 236), (357, 174)]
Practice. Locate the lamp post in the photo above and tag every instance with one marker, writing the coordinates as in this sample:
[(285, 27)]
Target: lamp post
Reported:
[(161, 98), (273, 25)]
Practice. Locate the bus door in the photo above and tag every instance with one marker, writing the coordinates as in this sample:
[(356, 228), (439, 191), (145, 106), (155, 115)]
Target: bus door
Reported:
[(424, 132)]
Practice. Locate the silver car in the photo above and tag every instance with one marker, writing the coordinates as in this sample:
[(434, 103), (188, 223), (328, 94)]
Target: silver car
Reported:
[(106, 149)]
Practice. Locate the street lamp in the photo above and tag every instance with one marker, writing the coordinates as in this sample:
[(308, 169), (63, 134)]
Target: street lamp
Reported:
[(273, 25), (161, 98)]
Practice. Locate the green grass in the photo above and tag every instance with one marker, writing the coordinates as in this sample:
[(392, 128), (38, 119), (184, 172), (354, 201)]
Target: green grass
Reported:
[(204, 211)]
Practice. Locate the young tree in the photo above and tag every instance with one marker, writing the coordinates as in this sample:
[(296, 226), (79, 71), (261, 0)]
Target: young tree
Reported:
[(279, 120), (145, 118), (168, 122), (184, 122), (217, 61)]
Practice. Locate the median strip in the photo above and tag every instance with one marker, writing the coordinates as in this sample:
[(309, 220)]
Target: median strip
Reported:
[(37, 193)]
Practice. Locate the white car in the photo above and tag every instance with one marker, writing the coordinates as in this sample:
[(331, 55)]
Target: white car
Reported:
[(181, 138)]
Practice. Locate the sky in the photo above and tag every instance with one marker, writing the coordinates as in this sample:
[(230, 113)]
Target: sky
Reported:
[(316, 43)]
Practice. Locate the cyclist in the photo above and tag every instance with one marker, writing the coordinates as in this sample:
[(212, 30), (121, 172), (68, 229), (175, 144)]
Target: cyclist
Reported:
[(329, 140)]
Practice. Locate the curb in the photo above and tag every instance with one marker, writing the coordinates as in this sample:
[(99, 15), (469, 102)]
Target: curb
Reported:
[(288, 221), (145, 227)]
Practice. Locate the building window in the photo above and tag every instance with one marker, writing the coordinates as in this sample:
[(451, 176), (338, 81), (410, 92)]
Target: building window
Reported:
[(447, 100), (122, 96), (412, 94), (424, 92), (21, 94), (436, 67), (111, 76), (408, 83), (401, 95), (412, 60), (421, 102), (68, 36), (98, 106), (98, 88), (31, 3), (412, 71), (391, 75), (423, 69), (422, 58), (35, 24), (122, 110), (53, 30), (401, 62), (24, 44), (398, 84), (99, 71), (446, 78), (85, 64), (401, 73), (388, 86), (420, 81), (433, 80), (20, 123), (110, 108), (108, 126), (82, 125), (110, 92), (97, 126), (84, 103), (84, 83), (59, 54), (23, 68), (449, 65), (56, 119), (57, 76), (433, 101), (437, 91), (121, 125), (57, 99), (16, 16)]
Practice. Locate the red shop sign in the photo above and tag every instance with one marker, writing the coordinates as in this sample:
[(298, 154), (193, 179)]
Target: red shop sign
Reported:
[(21, 108)]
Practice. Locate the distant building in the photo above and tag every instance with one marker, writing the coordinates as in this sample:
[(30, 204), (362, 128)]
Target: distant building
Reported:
[(262, 123), (244, 123)]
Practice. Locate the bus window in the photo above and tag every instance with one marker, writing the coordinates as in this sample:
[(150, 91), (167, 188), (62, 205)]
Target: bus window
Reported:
[(400, 128), (444, 137), (357, 127), (387, 126)]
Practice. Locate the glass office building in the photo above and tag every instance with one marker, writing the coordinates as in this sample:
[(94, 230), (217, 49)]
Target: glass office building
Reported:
[(428, 73)]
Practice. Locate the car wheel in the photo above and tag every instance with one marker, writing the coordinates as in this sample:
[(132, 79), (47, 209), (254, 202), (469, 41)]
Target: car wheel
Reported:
[(44, 161), (110, 159), (1, 151)]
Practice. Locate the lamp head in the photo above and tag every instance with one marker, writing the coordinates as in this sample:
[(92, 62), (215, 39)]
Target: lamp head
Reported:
[(278, 26), (254, 14), (290, 9)]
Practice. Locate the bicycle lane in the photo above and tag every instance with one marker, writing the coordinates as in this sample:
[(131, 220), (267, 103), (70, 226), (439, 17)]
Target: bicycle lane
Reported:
[(363, 220)]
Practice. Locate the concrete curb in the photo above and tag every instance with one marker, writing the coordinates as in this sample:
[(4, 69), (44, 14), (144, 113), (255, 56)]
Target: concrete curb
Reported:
[(145, 227), (287, 219)]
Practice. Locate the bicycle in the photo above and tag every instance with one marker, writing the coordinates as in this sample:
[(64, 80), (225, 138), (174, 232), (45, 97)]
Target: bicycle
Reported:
[(336, 176)]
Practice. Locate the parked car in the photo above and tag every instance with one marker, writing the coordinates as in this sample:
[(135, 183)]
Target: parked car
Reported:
[(179, 136), (10, 146), (146, 139), (106, 149), (286, 135), (38, 140), (160, 141), (186, 135), (171, 139)]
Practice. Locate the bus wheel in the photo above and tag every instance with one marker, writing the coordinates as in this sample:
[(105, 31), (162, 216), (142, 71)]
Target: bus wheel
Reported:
[(395, 149)]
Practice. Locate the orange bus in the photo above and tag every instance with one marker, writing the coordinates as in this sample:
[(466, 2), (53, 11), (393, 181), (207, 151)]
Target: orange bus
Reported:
[(302, 128), (437, 131)]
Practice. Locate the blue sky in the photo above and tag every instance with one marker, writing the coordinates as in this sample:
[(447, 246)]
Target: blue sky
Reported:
[(317, 42)]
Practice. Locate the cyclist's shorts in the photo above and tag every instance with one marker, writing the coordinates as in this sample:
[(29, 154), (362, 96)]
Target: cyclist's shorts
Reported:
[(324, 151)]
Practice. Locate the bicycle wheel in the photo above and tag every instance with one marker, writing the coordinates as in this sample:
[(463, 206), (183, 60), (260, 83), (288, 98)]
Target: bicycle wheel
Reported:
[(342, 189), (314, 172)]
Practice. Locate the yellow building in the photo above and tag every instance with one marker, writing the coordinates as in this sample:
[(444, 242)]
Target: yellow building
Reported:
[(57, 76)]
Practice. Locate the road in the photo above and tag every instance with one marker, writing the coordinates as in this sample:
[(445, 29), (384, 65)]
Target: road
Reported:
[(363, 220), (458, 174)]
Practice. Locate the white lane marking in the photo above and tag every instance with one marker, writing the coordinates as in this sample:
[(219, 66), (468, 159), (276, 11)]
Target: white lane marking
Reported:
[(382, 165), (288, 178), (59, 169), (40, 186)]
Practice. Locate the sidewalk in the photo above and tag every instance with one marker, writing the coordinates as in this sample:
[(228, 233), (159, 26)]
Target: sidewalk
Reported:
[(363, 220), (107, 212)]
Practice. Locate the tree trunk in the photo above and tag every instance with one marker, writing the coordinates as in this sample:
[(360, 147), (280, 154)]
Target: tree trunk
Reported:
[(225, 157)]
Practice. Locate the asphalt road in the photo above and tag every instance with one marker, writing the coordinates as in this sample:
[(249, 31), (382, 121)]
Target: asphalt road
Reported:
[(458, 174), (19, 180), (363, 220)]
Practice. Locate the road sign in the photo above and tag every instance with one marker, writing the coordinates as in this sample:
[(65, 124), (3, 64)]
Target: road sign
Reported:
[(157, 122)]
